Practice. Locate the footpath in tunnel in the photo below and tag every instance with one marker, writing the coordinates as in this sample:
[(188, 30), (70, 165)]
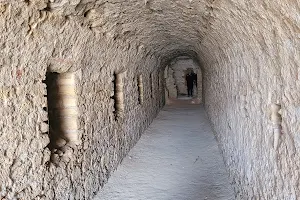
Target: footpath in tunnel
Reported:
[(177, 158)]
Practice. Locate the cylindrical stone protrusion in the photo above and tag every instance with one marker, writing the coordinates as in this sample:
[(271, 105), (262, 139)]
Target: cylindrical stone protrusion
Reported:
[(119, 94), (276, 120), (141, 89), (66, 106)]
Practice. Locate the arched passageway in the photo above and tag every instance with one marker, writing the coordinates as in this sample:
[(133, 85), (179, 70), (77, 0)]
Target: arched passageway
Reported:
[(116, 52), (176, 78)]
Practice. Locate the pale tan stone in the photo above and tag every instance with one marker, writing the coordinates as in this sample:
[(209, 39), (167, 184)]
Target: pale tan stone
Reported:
[(249, 59)]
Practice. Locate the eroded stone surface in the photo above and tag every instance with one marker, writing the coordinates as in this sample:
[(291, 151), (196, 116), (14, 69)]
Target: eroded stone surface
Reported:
[(248, 53)]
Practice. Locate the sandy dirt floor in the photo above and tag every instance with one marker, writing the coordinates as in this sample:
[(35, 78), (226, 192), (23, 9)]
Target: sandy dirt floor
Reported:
[(177, 158)]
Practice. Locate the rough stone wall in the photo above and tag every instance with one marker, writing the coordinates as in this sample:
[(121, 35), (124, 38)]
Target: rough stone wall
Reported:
[(251, 62), (248, 53), (171, 90), (35, 39)]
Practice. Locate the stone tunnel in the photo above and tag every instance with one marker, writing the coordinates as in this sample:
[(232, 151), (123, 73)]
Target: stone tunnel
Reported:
[(81, 80)]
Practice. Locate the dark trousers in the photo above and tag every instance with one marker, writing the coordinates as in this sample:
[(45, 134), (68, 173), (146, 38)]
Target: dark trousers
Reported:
[(190, 91)]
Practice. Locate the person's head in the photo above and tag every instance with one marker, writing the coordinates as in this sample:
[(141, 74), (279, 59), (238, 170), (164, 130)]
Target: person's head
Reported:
[(190, 71)]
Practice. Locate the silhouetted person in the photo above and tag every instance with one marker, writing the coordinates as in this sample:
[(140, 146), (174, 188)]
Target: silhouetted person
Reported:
[(190, 78)]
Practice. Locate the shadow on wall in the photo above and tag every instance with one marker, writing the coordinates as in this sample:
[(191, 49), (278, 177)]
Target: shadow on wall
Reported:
[(62, 115)]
